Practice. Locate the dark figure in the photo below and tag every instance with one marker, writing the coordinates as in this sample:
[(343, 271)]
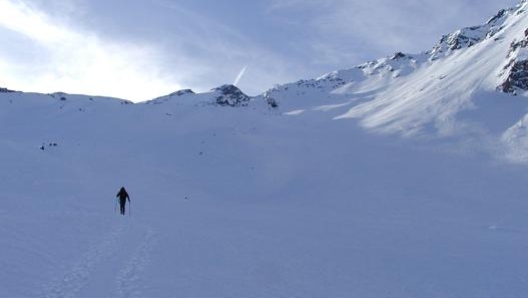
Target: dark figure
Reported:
[(123, 196)]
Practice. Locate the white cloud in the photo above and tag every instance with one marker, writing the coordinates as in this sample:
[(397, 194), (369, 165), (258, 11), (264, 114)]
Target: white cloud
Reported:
[(19, 17), (183, 50), (78, 62)]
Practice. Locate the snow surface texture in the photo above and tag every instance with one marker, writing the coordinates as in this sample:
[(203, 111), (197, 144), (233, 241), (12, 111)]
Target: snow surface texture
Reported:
[(282, 195)]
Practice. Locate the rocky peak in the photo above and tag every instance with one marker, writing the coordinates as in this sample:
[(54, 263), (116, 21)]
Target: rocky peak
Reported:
[(398, 55), (230, 95), (5, 90), (500, 15), (461, 39), (469, 36), (182, 92)]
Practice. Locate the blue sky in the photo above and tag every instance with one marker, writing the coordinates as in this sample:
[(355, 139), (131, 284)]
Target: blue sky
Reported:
[(141, 49)]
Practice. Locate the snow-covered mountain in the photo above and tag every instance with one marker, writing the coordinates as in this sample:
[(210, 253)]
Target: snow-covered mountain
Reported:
[(452, 90), (377, 181)]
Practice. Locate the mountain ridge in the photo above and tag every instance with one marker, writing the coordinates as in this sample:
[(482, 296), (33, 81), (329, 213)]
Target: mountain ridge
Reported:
[(445, 92)]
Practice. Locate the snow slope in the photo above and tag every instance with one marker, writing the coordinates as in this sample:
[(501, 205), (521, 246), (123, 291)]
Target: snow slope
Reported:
[(451, 91), (232, 197), (245, 202)]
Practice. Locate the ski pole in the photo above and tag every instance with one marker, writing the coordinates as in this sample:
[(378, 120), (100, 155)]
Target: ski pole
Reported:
[(115, 206), (130, 209)]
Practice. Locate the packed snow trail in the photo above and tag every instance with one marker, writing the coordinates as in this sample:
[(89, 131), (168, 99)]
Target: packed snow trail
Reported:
[(76, 278), (111, 265), (129, 278)]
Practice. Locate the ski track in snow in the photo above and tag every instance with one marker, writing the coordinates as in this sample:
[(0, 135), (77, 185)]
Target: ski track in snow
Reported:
[(75, 279), (128, 277)]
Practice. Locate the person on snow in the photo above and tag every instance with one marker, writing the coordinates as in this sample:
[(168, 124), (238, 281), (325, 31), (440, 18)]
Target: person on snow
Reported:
[(123, 196)]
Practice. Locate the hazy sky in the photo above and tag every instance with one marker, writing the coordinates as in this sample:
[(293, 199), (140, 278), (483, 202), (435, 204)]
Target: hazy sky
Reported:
[(141, 49)]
